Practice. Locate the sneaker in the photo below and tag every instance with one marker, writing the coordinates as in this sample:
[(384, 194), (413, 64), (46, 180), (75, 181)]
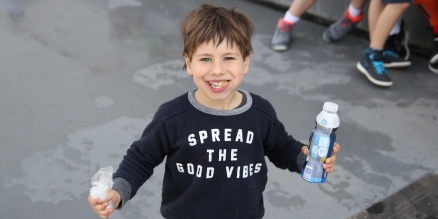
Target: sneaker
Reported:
[(393, 60), (340, 28), (433, 63), (283, 32), (373, 69), (398, 43)]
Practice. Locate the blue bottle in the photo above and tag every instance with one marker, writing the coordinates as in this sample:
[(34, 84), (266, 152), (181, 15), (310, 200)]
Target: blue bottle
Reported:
[(321, 142)]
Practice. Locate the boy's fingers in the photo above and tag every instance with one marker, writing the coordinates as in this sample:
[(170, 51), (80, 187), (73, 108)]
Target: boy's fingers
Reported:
[(105, 213), (337, 147), (305, 150), (328, 168), (93, 201), (331, 160), (328, 164), (99, 208)]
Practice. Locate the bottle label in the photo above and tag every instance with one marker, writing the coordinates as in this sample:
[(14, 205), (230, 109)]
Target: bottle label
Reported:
[(320, 147), (314, 151), (322, 152), (307, 175), (322, 141)]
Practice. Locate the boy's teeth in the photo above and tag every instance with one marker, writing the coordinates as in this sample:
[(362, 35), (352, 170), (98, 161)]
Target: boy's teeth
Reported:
[(218, 84)]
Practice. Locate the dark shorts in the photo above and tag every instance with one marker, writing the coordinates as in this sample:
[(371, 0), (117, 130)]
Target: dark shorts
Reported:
[(396, 1)]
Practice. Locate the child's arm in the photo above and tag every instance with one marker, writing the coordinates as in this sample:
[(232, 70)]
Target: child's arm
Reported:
[(286, 152), (101, 207)]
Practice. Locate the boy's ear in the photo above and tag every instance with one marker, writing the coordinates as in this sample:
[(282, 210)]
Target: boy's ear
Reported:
[(246, 64), (188, 66)]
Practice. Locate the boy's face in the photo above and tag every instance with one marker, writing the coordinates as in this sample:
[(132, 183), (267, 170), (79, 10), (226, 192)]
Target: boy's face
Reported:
[(217, 72)]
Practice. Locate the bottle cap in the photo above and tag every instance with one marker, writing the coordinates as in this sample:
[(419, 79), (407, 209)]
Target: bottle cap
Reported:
[(328, 117), (331, 107)]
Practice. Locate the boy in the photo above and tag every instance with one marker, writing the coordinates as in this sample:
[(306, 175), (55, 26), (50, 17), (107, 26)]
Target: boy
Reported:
[(215, 137)]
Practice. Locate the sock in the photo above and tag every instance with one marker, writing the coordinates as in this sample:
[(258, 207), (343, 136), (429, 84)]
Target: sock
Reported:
[(291, 18), (378, 53), (353, 11), (396, 28)]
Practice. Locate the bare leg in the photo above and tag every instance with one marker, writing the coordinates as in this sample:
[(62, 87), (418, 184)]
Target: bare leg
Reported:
[(299, 7), (374, 10), (358, 4), (380, 27)]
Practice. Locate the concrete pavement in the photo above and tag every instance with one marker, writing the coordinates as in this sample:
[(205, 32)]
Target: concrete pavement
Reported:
[(75, 93)]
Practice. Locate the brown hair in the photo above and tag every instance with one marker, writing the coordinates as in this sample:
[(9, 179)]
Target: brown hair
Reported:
[(209, 22)]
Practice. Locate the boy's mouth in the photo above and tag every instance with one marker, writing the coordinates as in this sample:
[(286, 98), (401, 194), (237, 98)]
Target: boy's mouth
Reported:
[(218, 84)]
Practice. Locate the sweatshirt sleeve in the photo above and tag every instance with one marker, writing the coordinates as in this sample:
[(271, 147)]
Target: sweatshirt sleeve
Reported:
[(124, 189), (142, 157), (279, 146), (283, 150)]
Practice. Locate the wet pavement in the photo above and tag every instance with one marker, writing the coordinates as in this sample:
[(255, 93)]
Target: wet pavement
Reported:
[(419, 200), (81, 79)]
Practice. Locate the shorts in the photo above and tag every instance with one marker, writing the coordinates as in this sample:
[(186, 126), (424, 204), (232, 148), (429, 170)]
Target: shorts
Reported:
[(396, 1)]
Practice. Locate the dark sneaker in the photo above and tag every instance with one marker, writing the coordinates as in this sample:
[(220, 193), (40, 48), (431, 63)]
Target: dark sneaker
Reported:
[(283, 32), (433, 63), (374, 70), (393, 60), (340, 28), (398, 43)]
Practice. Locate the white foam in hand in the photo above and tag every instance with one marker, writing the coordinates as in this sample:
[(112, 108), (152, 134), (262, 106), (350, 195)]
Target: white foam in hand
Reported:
[(102, 181)]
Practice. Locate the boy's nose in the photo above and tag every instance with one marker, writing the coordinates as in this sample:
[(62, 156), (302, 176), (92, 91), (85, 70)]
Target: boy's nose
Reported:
[(217, 68)]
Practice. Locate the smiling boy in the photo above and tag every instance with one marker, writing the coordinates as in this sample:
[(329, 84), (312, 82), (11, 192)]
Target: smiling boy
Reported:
[(214, 137), (217, 70)]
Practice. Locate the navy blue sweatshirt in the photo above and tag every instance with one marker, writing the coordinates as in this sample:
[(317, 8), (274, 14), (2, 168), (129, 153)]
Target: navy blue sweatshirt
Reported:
[(215, 159)]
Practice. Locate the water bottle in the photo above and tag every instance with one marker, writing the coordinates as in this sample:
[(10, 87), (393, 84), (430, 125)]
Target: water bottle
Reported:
[(321, 142)]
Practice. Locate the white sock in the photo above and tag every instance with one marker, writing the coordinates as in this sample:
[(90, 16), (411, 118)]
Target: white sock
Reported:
[(397, 27), (290, 17), (353, 11)]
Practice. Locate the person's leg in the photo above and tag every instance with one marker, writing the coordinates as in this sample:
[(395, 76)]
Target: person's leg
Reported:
[(374, 10), (358, 4), (352, 16), (371, 64), (382, 18), (397, 41), (385, 22), (283, 31), (299, 7)]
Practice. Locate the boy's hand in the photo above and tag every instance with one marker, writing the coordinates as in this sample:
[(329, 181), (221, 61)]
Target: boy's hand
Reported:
[(329, 164), (100, 207)]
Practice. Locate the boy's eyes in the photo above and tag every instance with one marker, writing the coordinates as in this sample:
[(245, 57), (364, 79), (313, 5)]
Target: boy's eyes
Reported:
[(209, 59)]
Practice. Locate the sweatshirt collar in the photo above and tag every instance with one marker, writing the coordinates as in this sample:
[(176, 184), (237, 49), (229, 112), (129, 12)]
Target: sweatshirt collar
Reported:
[(202, 108)]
